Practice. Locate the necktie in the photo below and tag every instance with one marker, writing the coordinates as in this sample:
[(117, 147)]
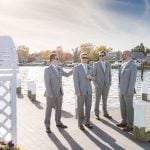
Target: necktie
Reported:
[(103, 65), (85, 68), (56, 69)]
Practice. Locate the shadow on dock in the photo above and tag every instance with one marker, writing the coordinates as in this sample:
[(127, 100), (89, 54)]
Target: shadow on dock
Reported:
[(66, 114), (128, 135), (73, 144), (37, 104), (57, 142)]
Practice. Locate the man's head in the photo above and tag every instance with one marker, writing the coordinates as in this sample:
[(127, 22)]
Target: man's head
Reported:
[(53, 59), (102, 55), (126, 55), (84, 57)]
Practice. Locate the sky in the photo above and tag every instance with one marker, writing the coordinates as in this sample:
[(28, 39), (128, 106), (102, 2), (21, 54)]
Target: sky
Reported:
[(46, 24)]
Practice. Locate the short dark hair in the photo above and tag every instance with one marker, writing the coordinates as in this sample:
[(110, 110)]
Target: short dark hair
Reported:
[(52, 56), (102, 52)]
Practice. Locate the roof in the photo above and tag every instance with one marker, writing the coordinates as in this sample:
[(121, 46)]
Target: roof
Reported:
[(138, 55)]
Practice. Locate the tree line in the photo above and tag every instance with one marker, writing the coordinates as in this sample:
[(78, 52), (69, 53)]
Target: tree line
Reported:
[(73, 55)]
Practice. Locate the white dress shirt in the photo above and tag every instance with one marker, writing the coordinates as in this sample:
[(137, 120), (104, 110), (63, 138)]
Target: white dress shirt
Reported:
[(103, 65), (84, 67)]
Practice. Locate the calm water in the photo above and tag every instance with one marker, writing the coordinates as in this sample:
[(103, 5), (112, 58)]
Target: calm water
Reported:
[(36, 74)]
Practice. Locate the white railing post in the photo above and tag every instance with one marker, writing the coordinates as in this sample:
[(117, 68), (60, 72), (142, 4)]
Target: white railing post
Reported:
[(31, 90), (8, 71)]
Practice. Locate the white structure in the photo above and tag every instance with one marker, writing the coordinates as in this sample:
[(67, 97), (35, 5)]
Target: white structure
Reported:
[(142, 115), (31, 90), (145, 89), (8, 71)]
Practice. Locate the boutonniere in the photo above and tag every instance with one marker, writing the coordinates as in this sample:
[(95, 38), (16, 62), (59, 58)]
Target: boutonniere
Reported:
[(89, 69)]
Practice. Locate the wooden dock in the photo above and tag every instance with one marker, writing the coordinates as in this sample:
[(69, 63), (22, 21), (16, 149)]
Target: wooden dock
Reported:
[(105, 135)]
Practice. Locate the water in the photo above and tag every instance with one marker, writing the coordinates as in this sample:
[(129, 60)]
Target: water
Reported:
[(37, 74)]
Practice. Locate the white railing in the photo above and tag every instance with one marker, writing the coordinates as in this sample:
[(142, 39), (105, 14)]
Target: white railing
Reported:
[(8, 72)]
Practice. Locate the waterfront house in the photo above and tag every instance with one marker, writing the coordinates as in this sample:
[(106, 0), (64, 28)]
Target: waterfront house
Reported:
[(113, 56), (139, 56)]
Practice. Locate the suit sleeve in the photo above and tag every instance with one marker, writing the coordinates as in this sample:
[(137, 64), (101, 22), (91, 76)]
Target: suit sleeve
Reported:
[(76, 80), (132, 79), (110, 75), (94, 75), (67, 74), (47, 80)]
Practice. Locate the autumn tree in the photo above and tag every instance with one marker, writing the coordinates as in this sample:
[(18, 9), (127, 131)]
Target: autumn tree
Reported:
[(44, 54), (67, 56), (103, 48), (99, 49), (86, 47)]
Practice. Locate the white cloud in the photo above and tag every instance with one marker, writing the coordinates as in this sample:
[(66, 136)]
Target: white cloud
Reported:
[(147, 7), (46, 24)]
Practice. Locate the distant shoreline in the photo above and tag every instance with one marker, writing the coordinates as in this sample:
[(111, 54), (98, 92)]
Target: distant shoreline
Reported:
[(41, 64)]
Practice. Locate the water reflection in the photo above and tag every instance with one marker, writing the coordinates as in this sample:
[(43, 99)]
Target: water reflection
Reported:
[(37, 74)]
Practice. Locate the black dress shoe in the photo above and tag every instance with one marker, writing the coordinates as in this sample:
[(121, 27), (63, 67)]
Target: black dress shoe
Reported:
[(128, 129), (122, 125), (89, 126), (108, 116), (97, 117), (48, 130), (82, 127), (61, 126)]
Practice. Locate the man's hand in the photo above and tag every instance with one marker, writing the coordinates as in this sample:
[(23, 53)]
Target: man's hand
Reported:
[(129, 94), (89, 77), (78, 94), (50, 97)]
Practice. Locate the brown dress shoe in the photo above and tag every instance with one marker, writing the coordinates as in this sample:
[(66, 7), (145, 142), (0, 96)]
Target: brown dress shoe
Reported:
[(48, 130), (97, 117), (89, 126), (108, 116), (122, 125), (61, 126), (82, 127), (128, 129)]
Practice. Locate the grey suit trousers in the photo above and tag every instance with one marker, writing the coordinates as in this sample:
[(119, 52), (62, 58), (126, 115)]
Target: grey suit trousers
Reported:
[(81, 100), (57, 102), (101, 92), (127, 111)]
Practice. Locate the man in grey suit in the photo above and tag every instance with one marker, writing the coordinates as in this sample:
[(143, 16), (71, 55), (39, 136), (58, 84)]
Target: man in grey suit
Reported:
[(83, 90), (102, 81), (127, 79), (54, 91)]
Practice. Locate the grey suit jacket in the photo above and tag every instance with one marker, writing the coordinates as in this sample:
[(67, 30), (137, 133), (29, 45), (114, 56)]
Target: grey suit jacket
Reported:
[(81, 84), (128, 78), (100, 77), (53, 81)]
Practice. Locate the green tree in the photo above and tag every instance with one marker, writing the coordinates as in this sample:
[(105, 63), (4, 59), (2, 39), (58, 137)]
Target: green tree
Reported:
[(147, 50), (139, 48)]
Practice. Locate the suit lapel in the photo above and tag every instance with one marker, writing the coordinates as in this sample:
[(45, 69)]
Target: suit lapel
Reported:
[(54, 71), (101, 67), (127, 65), (81, 68)]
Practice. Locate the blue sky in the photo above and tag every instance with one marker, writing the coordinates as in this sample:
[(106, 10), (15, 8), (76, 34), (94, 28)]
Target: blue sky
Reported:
[(46, 24)]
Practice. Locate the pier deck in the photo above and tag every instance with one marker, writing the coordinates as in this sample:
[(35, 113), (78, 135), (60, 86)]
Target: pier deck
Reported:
[(105, 135)]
